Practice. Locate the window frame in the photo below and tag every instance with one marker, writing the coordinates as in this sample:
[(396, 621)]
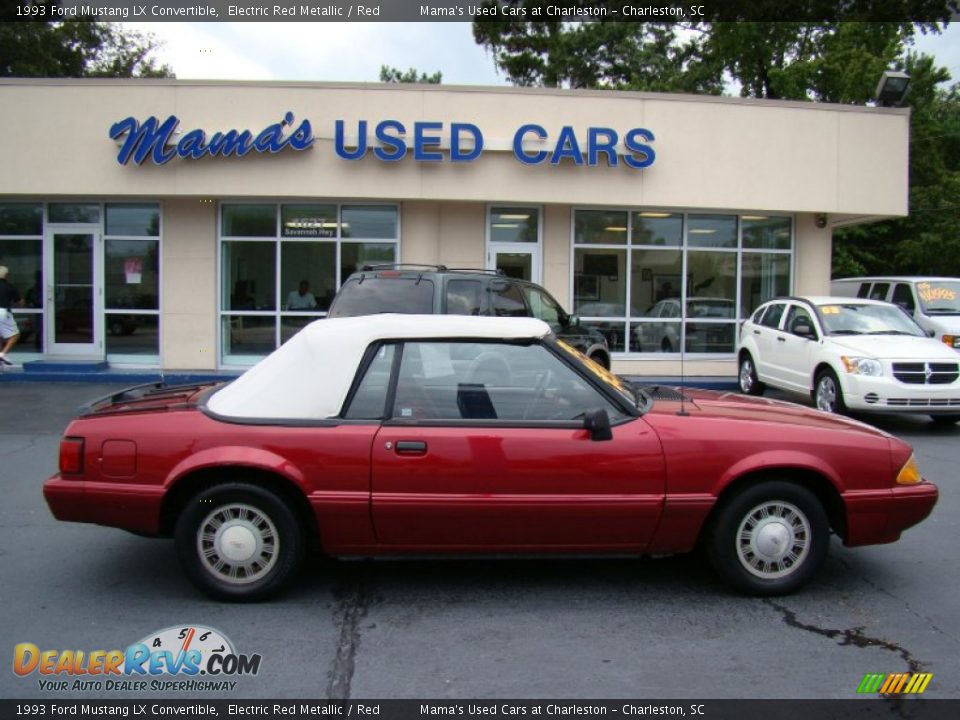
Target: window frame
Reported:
[(278, 313), (628, 321)]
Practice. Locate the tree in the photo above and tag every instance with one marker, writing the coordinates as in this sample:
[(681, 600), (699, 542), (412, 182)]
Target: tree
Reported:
[(596, 54), (395, 75), (74, 48)]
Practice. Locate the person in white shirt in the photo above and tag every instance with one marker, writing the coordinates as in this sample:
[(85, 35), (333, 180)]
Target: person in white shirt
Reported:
[(301, 298)]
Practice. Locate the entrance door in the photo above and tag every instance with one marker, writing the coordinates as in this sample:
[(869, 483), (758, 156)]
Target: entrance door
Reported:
[(516, 260), (514, 241), (74, 319)]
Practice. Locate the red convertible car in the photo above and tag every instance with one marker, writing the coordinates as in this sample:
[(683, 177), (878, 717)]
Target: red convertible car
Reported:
[(393, 434)]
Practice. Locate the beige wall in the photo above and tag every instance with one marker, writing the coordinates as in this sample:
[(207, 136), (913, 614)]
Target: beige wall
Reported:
[(725, 153), (189, 292)]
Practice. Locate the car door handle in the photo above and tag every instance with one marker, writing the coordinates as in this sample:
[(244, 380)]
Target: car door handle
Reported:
[(756, 332), (781, 339), (411, 447)]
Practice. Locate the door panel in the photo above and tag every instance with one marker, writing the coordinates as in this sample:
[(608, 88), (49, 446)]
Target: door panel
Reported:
[(74, 312), (499, 488)]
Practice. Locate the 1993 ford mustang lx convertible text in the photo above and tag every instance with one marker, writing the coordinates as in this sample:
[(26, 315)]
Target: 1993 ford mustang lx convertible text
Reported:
[(391, 434)]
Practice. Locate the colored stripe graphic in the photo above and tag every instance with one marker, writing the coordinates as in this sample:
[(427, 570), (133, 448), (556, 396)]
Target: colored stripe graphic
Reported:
[(870, 683), (895, 683)]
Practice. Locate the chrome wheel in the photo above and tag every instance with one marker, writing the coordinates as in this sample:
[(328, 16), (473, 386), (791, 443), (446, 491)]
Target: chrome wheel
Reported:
[(773, 539), (827, 393), (746, 376), (238, 543), (749, 382)]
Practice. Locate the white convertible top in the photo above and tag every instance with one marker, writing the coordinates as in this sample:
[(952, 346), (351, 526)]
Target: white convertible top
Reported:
[(308, 377)]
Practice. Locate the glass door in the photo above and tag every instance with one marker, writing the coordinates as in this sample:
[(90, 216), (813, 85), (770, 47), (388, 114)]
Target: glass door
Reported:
[(74, 303), (515, 261)]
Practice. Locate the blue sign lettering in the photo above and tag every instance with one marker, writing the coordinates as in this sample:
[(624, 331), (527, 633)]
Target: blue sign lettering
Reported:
[(154, 140)]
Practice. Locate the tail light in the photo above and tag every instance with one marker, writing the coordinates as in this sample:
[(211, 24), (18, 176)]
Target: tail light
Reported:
[(71, 455)]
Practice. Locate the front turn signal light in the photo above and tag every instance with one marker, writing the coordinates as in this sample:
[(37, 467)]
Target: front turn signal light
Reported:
[(952, 341), (909, 474)]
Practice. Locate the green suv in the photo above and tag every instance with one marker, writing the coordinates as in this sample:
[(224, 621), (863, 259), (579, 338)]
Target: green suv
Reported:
[(436, 289)]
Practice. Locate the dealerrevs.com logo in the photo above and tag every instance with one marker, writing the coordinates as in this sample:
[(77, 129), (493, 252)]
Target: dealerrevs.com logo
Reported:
[(188, 658)]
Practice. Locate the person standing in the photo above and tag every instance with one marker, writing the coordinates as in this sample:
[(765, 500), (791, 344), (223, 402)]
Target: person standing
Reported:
[(9, 298)]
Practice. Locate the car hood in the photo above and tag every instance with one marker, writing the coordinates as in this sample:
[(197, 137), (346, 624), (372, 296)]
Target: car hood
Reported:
[(734, 406), (949, 324), (894, 347)]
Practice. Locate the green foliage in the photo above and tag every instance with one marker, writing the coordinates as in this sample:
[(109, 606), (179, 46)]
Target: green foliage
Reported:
[(614, 55), (395, 75), (75, 48)]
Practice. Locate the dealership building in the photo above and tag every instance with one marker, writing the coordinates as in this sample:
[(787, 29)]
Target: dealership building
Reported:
[(169, 224)]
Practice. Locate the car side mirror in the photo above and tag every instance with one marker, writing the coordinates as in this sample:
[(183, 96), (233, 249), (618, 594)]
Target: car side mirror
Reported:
[(804, 330), (597, 422), (931, 333)]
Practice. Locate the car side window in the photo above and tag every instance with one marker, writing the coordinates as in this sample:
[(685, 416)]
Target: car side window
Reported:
[(463, 297), (903, 296), (508, 301), (771, 318), (542, 306), (879, 291), (864, 290), (458, 381), (370, 398)]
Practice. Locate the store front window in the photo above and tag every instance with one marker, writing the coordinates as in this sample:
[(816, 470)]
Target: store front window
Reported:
[(77, 291), (659, 282), (131, 248), (21, 251), (281, 265)]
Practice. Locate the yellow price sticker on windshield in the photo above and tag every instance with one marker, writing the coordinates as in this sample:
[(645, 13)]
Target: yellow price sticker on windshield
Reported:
[(931, 294), (830, 310)]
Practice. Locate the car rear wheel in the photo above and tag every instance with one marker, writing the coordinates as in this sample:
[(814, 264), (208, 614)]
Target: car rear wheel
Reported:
[(827, 394), (769, 539), (749, 383), (239, 541)]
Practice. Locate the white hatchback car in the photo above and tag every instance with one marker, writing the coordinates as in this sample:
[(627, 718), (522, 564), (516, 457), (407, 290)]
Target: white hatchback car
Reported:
[(849, 353)]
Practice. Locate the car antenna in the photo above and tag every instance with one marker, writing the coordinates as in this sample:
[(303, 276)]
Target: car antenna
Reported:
[(682, 412)]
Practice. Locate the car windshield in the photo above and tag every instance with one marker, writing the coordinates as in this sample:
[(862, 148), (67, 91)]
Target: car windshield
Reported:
[(371, 294), (605, 376), (865, 319), (940, 297)]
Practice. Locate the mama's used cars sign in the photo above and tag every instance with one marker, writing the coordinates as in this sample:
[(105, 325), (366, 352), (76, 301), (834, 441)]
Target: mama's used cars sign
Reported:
[(390, 141)]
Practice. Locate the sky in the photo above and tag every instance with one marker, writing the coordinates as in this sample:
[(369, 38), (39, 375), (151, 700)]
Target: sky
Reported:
[(354, 52)]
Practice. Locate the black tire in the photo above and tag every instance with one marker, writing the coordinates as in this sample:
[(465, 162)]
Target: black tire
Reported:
[(749, 382), (768, 539), (945, 420), (265, 528), (827, 393)]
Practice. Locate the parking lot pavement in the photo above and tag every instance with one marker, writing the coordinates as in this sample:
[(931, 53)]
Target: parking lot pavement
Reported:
[(582, 628)]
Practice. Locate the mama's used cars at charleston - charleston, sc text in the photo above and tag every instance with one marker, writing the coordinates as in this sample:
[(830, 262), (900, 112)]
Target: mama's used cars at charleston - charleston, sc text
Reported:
[(408, 434)]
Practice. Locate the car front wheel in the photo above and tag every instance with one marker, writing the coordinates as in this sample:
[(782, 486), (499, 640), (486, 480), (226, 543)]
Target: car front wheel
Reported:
[(827, 394), (749, 383), (769, 539), (239, 541)]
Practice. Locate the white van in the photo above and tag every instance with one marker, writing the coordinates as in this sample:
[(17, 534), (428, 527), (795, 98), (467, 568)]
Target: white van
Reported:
[(934, 302)]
